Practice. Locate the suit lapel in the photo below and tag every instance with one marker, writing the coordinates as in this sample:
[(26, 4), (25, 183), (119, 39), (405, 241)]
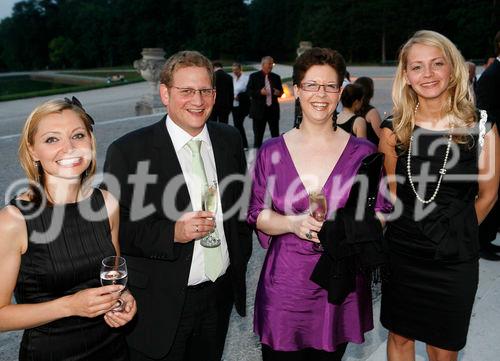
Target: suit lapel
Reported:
[(169, 166)]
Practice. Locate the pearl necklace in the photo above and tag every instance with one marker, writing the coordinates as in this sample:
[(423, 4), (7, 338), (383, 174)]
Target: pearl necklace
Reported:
[(442, 171)]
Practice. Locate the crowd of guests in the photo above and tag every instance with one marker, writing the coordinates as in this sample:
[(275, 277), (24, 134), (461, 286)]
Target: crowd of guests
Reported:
[(430, 183)]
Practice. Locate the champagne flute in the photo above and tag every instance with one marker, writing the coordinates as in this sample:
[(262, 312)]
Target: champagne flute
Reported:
[(209, 200), (318, 209), (114, 272)]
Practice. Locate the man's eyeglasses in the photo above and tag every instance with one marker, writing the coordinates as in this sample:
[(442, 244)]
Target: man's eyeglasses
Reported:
[(190, 92), (314, 87)]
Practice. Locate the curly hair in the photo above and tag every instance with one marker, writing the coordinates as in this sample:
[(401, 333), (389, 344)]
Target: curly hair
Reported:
[(318, 56)]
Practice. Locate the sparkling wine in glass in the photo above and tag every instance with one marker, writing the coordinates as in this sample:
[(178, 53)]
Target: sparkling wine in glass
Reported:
[(114, 272), (209, 200), (318, 209)]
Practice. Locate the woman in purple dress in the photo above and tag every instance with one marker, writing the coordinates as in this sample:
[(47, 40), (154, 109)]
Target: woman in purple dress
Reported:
[(293, 317)]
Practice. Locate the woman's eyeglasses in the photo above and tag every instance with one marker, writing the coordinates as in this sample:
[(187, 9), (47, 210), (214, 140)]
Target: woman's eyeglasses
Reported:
[(314, 87)]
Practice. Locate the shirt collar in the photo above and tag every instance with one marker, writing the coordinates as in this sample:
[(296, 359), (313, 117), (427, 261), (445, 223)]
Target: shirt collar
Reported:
[(180, 137)]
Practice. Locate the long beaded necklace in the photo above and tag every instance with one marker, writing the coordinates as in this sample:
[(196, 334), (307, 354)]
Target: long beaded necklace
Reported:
[(442, 171)]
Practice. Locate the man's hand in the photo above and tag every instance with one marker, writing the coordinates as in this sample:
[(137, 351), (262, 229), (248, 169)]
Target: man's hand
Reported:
[(193, 225)]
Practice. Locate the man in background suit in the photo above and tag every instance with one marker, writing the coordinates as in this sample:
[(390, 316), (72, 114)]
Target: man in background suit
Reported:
[(224, 98), (185, 292), (488, 98), (264, 88)]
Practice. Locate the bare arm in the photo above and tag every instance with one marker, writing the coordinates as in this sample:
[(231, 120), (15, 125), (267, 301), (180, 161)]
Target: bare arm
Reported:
[(489, 174), (13, 243), (373, 117), (359, 127)]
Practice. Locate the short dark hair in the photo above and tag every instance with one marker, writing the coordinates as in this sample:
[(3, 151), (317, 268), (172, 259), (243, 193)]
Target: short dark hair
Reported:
[(350, 94), (318, 56), (217, 64), (184, 59)]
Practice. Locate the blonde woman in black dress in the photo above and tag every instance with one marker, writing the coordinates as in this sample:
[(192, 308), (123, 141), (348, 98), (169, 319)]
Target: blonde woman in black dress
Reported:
[(446, 155), (52, 241)]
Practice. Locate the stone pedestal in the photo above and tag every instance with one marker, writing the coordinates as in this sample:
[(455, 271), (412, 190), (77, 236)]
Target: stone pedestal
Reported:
[(150, 67), (303, 46)]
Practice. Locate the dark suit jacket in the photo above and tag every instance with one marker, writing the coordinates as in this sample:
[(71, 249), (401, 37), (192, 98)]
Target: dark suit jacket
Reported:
[(488, 91), (158, 267), (258, 105), (225, 92)]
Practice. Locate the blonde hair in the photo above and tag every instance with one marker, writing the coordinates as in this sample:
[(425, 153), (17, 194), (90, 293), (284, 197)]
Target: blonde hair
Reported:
[(460, 104), (33, 170)]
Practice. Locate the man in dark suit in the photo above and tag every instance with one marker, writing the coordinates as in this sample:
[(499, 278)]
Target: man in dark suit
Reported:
[(264, 88), (224, 98), (184, 291), (488, 98)]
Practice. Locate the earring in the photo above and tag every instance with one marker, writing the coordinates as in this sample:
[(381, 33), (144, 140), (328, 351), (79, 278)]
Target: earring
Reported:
[(334, 120), (298, 114)]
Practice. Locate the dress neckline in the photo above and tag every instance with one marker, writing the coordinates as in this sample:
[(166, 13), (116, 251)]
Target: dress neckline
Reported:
[(334, 168)]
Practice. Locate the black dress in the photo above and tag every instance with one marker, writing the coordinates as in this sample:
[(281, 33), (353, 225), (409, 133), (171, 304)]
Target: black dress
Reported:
[(349, 124), (433, 248), (370, 133), (67, 264)]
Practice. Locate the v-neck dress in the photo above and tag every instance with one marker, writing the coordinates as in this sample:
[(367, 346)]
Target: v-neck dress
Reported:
[(292, 312)]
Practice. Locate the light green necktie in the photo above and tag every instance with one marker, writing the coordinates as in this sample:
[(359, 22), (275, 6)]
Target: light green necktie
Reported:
[(213, 257)]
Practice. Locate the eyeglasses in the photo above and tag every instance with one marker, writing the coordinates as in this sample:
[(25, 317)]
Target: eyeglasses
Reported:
[(314, 87), (190, 92)]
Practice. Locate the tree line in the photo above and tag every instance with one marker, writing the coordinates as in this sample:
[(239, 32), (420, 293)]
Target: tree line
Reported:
[(43, 34)]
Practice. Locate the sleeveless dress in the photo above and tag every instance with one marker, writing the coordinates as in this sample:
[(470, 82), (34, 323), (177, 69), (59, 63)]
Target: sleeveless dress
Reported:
[(433, 248), (348, 124), (52, 268), (370, 133)]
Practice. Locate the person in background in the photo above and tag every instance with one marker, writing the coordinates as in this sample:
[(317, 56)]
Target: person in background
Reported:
[(488, 98), (54, 272), (433, 245), (241, 101), (293, 316), (224, 99), (352, 99), (264, 88), (368, 111)]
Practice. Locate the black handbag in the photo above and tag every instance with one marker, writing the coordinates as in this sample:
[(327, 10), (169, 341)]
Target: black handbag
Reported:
[(352, 239)]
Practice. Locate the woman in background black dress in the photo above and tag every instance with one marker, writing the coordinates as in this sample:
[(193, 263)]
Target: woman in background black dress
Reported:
[(52, 240), (444, 153), (368, 111)]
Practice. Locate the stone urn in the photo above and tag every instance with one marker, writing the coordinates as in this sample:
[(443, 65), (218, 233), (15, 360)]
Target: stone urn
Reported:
[(303, 46), (150, 67)]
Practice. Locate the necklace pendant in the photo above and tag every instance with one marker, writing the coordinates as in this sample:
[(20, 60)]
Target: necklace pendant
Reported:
[(442, 171)]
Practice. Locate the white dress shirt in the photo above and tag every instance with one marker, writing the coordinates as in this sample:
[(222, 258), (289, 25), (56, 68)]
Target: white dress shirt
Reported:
[(239, 86), (180, 138)]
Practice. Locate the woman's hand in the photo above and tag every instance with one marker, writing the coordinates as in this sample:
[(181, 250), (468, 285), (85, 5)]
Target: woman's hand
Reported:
[(93, 302), (306, 227), (120, 318)]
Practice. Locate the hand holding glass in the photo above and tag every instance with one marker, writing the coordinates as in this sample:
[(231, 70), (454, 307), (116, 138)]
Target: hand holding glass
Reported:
[(209, 200), (318, 210), (114, 272)]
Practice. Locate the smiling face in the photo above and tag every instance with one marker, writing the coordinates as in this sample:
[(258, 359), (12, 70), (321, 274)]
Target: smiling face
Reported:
[(62, 145), (318, 106), (188, 112), (428, 72)]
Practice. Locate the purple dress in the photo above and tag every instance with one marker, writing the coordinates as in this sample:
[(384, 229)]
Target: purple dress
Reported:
[(292, 312)]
